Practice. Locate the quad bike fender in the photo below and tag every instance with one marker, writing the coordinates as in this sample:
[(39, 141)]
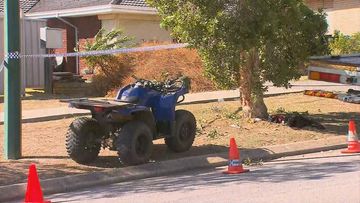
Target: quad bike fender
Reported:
[(147, 117)]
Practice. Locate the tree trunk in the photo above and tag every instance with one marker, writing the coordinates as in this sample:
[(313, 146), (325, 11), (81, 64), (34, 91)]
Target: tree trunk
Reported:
[(252, 96)]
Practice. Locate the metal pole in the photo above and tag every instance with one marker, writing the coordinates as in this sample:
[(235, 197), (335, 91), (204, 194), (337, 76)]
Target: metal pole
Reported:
[(12, 91), (48, 74)]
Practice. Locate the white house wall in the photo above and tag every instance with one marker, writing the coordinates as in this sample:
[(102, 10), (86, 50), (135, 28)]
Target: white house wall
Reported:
[(141, 27), (343, 15), (347, 20)]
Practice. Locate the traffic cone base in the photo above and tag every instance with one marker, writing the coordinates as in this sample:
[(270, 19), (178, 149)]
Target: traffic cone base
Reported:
[(236, 172), (242, 170), (353, 147)]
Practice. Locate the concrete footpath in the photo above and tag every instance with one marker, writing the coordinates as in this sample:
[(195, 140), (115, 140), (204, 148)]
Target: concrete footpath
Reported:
[(71, 183), (47, 114)]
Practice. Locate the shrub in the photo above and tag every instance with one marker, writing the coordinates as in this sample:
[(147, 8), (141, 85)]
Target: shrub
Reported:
[(344, 44), (162, 64), (114, 71), (109, 70)]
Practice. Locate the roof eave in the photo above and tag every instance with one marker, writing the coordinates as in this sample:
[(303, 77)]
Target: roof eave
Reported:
[(93, 10)]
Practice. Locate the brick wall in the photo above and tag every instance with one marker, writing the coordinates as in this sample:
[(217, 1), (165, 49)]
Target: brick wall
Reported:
[(87, 29), (67, 36), (320, 4), (346, 4)]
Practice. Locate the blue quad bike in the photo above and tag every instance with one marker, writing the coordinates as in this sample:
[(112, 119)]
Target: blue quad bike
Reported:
[(141, 112)]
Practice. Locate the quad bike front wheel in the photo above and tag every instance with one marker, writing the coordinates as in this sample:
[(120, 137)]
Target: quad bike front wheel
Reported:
[(185, 130), (134, 143), (83, 140)]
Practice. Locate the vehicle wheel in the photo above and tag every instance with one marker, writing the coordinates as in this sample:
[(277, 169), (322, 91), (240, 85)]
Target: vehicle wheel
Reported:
[(134, 143), (83, 141), (184, 133)]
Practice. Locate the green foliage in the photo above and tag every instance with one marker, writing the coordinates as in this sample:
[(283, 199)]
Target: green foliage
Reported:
[(213, 134), (110, 69), (249, 162), (284, 33), (280, 110), (103, 40), (232, 115), (344, 44)]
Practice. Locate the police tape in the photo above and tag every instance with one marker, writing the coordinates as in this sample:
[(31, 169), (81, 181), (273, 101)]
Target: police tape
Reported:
[(18, 55), (2, 66)]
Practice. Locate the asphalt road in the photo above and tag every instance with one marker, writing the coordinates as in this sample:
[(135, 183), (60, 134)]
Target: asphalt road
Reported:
[(322, 177)]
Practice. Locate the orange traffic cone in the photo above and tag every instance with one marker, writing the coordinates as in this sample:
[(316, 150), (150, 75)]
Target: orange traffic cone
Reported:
[(33, 192), (353, 141), (235, 165)]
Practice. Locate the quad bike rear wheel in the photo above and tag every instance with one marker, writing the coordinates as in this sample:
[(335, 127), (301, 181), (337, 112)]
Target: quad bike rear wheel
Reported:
[(83, 140), (134, 143), (185, 130)]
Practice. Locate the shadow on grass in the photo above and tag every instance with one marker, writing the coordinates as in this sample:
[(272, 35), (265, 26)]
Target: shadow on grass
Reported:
[(335, 122), (57, 166), (160, 153)]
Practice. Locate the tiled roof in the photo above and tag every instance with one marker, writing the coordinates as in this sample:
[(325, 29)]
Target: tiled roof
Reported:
[(50, 5), (138, 3), (25, 5)]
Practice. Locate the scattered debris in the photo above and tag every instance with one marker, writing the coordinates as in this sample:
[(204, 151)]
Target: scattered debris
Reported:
[(295, 120), (277, 118), (355, 92), (351, 96), (235, 126), (321, 93), (300, 121), (257, 119)]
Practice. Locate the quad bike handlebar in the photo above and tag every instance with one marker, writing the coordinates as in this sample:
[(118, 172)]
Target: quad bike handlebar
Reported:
[(168, 86)]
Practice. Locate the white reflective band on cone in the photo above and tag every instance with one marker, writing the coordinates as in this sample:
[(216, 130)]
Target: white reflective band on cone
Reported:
[(352, 136), (234, 162)]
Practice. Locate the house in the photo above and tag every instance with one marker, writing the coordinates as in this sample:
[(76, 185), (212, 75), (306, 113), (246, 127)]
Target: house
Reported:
[(32, 69), (343, 15), (82, 19)]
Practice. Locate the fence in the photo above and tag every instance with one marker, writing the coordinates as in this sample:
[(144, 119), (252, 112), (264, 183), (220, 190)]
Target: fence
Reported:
[(32, 69)]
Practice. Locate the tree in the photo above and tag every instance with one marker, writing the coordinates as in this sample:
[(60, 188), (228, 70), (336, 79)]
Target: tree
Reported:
[(244, 43)]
